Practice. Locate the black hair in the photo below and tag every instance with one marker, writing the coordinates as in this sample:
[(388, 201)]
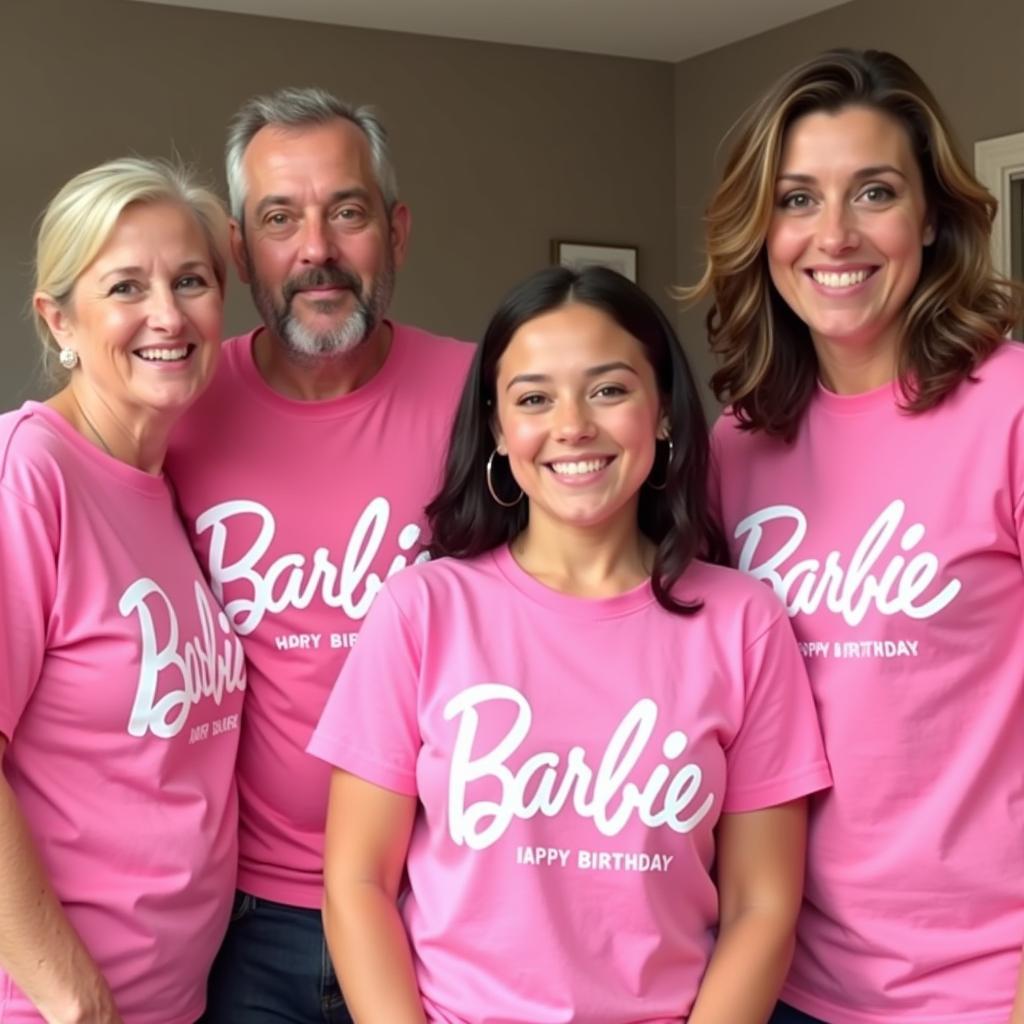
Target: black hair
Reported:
[(466, 521)]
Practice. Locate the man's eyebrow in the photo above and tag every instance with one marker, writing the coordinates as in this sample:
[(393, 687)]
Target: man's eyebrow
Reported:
[(349, 193), (288, 201)]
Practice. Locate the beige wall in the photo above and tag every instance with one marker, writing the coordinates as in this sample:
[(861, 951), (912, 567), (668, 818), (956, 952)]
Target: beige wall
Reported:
[(971, 54), (499, 149)]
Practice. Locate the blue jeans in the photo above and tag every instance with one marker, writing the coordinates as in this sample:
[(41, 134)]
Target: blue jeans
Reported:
[(273, 967), (787, 1015)]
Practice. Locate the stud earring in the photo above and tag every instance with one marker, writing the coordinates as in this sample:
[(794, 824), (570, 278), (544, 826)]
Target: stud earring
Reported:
[(68, 358)]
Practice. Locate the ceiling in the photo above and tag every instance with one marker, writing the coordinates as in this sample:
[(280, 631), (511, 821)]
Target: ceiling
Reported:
[(667, 30)]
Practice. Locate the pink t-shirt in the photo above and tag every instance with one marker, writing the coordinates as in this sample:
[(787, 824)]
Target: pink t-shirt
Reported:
[(121, 687), (571, 757), (298, 511), (895, 542)]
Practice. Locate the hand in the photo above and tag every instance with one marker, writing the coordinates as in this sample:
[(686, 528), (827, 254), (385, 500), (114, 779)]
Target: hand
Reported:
[(95, 1006)]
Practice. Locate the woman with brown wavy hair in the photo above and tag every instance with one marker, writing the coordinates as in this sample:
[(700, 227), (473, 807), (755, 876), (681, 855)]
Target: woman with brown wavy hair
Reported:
[(870, 468)]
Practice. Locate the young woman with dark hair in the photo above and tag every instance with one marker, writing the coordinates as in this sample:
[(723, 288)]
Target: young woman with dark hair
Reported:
[(556, 731), (465, 518), (871, 470)]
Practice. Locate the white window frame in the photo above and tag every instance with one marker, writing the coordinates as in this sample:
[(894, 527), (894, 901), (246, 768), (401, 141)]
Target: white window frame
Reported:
[(997, 162)]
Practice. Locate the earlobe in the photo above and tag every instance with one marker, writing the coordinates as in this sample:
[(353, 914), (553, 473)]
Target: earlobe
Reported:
[(929, 233)]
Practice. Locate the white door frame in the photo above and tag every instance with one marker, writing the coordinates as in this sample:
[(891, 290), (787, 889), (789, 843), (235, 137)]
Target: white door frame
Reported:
[(997, 162)]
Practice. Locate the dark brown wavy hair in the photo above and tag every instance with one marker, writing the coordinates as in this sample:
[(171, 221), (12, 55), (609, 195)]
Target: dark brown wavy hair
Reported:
[(465, 520), (960, 308)]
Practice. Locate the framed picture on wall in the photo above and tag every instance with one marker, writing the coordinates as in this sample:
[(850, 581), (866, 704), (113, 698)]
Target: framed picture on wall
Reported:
[(578, 255)]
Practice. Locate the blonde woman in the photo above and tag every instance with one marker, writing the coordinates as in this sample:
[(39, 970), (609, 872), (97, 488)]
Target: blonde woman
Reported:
[(870, 469), (120, 683)]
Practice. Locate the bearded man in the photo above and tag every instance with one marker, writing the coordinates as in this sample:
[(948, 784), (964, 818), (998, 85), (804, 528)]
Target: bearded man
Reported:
[(302, 474)]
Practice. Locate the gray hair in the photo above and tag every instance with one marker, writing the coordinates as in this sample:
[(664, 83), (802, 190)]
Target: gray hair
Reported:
[(295, 107)]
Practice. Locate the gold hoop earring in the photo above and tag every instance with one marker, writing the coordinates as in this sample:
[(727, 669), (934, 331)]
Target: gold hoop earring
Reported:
[(668, 468), (490, 485)]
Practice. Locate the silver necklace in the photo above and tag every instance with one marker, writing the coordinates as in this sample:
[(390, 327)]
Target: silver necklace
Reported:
[(92, 426)]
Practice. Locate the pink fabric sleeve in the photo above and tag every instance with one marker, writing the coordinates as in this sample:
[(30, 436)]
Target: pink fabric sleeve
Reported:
[(778, 754), (369, 726), (28, 580)]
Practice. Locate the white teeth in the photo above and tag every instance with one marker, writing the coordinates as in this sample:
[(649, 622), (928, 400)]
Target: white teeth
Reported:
[(163, 355), (843, 280), (577, 468)]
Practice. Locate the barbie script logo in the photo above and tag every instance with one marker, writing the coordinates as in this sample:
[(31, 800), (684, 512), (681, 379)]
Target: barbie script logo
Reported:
[(607, 793), (904, 584), (294, 580), (207, 666)]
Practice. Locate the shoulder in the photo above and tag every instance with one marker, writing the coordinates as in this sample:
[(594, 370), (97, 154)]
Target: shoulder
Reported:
[(438, 576), (1004, 369), (732, 601), (443, 586), (33, 454), (725, 431), (235, 354), (729, 438), (993, 393), (238, 347), (434, 351), (235, 358), (22, 432)]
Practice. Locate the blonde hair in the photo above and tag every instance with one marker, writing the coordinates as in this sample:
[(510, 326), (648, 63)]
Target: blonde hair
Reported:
[(960, 308), (82, 215)]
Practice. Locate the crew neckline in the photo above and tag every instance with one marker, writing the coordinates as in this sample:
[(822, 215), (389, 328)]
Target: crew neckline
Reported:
[(888, 394), (571, 605), (151, 484), (382, 382)]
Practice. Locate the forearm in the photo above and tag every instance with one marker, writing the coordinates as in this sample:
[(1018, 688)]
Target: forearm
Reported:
[(1017, 1015), (38, 947), (746, 971), (371, 955)]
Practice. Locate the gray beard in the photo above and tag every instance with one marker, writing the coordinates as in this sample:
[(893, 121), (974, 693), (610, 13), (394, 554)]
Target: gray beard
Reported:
[(308, 346), (304, 343)]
